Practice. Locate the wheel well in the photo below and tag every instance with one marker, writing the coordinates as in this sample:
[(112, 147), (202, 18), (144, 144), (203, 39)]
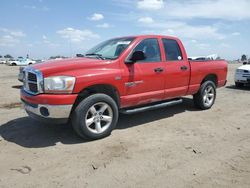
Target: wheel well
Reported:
[(101, 88), (13, 64), (211, 77)]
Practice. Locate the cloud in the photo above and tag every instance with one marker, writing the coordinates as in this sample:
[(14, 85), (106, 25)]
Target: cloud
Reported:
[(46, 41), (17, 34), (33, 7), (225, 45), (145, 20), (96, 17), (30, 6), (150, 4), (76, 35), (104, 25), (8, 41), (185, 30), (10, 38), (209, 9), (236, 34)]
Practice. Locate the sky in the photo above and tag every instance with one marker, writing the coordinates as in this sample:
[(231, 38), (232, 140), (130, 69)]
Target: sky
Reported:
[(44, 28)]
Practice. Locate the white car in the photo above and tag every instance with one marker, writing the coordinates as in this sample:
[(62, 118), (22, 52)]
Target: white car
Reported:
[(21, 62), (242, 75)]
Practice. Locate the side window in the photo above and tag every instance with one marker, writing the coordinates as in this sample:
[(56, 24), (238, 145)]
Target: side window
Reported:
[(172, 50), (151, 49)]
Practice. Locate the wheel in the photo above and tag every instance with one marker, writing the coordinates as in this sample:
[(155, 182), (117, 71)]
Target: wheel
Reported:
[(95, 117), (30, 63), (238, 84), (13, 64), (205, 97)]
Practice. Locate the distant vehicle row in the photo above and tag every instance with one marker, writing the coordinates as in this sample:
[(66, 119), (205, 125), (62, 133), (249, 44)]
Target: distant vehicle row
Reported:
[(20, 62)]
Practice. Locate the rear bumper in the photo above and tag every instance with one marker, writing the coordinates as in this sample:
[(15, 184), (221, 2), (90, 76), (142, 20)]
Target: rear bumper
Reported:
[(49, 113)]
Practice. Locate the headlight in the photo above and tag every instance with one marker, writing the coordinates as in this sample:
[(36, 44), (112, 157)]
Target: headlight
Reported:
[(59, 84)]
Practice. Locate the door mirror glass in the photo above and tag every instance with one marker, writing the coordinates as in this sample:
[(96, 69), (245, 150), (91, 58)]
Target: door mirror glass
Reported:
[(137, 56)]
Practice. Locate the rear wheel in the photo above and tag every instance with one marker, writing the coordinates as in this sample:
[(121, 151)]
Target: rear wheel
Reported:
[(13, 64), (238, 84), (205, 98), (95, 117)]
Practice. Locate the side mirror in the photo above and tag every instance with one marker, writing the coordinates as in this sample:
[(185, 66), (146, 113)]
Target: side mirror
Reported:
[(136, 56)]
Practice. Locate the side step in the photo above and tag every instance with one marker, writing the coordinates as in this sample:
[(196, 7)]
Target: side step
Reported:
[(151, 107)]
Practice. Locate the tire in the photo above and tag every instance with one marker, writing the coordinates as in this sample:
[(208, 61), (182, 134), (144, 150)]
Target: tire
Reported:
[(95, 117), (206, 96), (238, 84), (13, 64)]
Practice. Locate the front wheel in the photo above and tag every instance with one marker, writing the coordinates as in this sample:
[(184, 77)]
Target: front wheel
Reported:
[(95, 117), (205, 98)]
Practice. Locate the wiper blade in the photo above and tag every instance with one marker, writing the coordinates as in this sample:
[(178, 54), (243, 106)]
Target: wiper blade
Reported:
[(94, 54)]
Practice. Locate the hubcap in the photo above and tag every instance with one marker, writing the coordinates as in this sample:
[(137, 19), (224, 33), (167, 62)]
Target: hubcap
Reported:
[(99, 117), (208, 97)]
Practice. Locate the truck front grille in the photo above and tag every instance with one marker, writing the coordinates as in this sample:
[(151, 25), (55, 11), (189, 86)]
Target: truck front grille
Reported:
[(33, 87), (32, 81), (32, 77)]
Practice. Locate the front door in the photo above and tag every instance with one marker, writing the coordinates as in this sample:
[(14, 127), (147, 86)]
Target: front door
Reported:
[(144, 80)]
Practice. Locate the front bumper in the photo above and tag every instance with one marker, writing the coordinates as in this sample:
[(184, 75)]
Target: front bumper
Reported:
[(242, 78), (48, 113), (43, 107)]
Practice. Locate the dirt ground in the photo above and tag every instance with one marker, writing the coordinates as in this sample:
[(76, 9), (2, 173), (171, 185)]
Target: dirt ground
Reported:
[(178, 146)]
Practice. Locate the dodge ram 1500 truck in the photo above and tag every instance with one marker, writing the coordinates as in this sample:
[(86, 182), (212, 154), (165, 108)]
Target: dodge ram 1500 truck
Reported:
[(126, 74)]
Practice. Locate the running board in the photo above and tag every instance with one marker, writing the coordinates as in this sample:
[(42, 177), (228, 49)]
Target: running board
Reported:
[(151, 107)]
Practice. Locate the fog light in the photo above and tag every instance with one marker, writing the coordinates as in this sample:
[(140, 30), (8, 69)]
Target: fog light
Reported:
[(44, 111)]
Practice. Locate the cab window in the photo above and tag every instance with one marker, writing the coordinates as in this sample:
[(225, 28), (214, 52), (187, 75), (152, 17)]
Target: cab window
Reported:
[(172, 50), (151, 49)]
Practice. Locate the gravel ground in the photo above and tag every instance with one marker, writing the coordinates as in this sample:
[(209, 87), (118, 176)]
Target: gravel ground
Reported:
[(178, 146)]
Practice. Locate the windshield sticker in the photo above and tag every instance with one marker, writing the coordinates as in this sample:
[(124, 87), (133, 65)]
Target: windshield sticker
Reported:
[(123, 42)]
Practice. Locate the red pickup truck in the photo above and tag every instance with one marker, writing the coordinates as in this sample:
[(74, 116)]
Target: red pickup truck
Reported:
[(126, 74)]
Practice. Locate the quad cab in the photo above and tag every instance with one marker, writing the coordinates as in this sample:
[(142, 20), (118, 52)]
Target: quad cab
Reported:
[(127, 74)]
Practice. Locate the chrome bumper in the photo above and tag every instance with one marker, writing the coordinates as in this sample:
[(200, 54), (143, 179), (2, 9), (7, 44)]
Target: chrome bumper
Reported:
[(48, 111)]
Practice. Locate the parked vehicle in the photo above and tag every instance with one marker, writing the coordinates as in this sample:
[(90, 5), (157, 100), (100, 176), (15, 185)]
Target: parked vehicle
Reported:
[(242, 75), (203, 58), (2, 61), (127, 74), (21, 62)]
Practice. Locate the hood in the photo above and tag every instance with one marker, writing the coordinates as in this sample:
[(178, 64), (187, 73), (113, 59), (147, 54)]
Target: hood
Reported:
[(57, 66), (244, 67)]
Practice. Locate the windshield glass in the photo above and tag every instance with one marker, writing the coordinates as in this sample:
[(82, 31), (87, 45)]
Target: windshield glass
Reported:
[(110, 49)]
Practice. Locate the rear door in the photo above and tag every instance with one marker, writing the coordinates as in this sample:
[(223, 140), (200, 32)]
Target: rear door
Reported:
[(144, 80), (177, 69)]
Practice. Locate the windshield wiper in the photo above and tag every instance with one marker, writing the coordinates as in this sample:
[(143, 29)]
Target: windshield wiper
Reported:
[(94, 54)]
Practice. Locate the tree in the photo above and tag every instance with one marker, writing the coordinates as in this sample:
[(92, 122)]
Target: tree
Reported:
[(57, 57), (8, 56), (1, 56), (243, 57)]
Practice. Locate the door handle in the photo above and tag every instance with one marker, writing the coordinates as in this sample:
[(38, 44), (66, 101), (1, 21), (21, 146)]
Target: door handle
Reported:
[(159, 69), (184, 68)]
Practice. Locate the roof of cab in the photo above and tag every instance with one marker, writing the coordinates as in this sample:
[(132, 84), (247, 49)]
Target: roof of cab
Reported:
[(149, 36)]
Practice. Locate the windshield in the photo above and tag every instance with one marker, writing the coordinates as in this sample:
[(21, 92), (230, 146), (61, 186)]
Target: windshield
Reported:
[(110, 49)]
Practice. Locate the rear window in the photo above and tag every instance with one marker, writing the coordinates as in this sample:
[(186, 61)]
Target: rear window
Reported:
[(172, 50)]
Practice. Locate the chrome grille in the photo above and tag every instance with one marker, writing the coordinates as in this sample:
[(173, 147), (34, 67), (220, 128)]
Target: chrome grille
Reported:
[(33, 81), (32, 77)]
